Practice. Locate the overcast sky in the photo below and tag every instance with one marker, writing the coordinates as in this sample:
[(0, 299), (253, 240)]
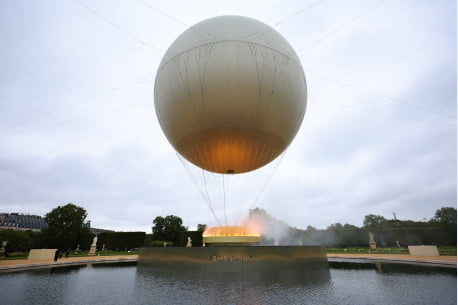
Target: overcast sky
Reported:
[(77, 119)]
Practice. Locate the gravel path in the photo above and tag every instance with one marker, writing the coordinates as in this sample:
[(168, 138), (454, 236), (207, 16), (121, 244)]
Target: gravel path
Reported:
[(26, 263)]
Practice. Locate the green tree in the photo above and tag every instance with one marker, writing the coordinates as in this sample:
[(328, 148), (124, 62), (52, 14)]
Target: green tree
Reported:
[(311, 229), (258, 212), (372, 221), (201, 227), (446, 216), (169, 228), (350, 227), (335, 226), (67, 227), (17, 240)]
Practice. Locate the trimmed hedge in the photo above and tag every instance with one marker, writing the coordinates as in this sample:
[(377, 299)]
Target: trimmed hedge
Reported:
[(196, 238), (121, 240), (19, 241), (160, 243)]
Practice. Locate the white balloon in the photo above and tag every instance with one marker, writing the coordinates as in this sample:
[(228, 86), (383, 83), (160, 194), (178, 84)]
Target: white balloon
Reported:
[(230, 94)]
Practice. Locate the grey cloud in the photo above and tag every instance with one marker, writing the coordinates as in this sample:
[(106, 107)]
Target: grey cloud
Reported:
[(357, 152)]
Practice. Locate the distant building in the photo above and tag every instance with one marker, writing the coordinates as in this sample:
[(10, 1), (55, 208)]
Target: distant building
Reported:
[(22, 222), (97, 231)]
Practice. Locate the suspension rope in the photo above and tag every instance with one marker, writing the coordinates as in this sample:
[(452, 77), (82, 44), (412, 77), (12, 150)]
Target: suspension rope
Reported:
[(194, 180)]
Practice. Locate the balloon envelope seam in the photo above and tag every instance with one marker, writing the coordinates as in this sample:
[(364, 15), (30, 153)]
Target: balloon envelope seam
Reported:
[(295, 60)]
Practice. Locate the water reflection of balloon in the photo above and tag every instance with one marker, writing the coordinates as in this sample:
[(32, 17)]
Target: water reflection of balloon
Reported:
[(230, 95)]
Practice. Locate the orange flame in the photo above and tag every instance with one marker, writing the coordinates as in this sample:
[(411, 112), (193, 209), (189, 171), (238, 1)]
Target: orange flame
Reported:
[(230, 231)]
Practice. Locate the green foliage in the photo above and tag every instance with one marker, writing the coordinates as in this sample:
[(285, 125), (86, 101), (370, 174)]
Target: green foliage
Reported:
[(109, 252), (17, 240), (400, 250), (335, 226), (388, 233), (37, 239), (121, 240), (258, 212), (311, 229), (160, 243), (66, 227), (349, 227), (148, 240), (421, 234), (17, 255), (85, 241), (341, 237), (445, 216), (21, 240), (201, 227), (441, 230), (447, 251), (169, 228), (372, 221), (196, 238)]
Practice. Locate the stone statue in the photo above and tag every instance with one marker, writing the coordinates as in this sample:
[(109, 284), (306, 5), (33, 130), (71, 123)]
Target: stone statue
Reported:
[(371, 238), (93, 249), (94, 241), (372, 243), (3, 249), (189, 244)]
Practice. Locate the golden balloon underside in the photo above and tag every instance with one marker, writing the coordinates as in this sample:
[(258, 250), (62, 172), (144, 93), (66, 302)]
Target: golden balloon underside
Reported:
[(230, 150)]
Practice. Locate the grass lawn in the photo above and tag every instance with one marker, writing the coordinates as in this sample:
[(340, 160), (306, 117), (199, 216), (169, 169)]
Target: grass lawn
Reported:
[(16, 255), (104, 253)]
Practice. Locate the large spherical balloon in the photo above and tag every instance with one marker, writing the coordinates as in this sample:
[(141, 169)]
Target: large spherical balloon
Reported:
[(230, 94)]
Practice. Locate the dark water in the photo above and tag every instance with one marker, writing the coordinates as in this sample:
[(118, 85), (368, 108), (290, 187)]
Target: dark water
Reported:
[(346, 283)]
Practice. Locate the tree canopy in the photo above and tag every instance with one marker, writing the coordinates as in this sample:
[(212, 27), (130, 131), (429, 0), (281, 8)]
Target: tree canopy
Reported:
[(67, 227), (201, 227), (169, 228), (372, 221), (446, 216)]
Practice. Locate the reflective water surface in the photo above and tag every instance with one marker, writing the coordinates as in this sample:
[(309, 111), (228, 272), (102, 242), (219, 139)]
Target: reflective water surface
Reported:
[(347, 283)]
